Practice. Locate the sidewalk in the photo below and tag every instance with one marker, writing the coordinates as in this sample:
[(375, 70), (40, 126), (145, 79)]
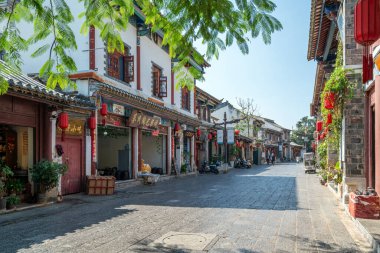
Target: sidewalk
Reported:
[(369, 228)]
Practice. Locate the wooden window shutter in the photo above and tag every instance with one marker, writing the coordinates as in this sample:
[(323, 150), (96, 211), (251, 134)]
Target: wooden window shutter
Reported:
[(113, 65), (129, 68), (156, 82), (163, 87)]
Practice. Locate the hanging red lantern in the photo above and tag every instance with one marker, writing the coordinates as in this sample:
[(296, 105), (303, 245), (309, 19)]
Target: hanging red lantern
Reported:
[(367, 31), (177, 127), (209, 136), (237, 131), (92, 123), (199, 132), (319, 125), (104, 110), (329, 119), (63, 123), (329, 100)]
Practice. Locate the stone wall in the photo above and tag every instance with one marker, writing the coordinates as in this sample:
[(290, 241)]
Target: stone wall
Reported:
[(354, 157), (352, 50)]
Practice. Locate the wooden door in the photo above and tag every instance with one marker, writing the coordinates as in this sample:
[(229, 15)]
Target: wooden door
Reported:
[(72, 157)]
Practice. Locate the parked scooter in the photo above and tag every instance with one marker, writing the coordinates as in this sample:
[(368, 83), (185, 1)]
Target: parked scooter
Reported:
[(213, 167), (242, 163), (205, 168)]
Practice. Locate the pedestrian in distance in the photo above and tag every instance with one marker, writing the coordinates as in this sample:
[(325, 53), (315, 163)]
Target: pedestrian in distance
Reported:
[(272, 157)]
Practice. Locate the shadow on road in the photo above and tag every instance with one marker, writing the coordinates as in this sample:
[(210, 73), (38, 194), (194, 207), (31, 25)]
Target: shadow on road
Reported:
[(239, 189)]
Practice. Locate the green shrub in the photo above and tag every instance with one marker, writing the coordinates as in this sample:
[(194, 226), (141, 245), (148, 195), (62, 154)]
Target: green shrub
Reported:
[(46, 174)]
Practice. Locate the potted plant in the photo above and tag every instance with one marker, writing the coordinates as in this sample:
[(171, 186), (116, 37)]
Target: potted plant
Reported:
[(3, 201), (14, 186), (5, 171), (183, 168), (46, 175), (234, 152), (12, 201)]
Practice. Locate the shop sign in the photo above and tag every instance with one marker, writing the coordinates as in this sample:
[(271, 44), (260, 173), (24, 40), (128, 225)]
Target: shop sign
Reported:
[(118, 109), (230, 136), (75, 128), (110, 119), (219, 136), (138, 119), (280, 148), (189, 134)]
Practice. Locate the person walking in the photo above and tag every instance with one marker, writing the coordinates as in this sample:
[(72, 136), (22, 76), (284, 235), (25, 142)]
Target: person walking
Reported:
[(268, 157), (272, 156)]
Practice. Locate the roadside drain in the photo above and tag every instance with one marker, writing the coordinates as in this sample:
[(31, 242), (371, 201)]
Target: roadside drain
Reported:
[(178, 240)]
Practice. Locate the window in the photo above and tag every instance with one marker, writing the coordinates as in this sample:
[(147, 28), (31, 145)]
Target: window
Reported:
[(121, 66), (160, 83), (185, 98), (157, 39), (205, 114)]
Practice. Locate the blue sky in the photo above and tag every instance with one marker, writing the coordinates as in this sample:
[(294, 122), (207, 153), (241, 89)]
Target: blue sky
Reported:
[(277, 76)]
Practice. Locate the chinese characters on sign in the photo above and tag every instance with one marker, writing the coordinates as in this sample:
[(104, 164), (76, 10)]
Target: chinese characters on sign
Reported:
[(75, 128), (220, 136), (138, 119), (230, 136)]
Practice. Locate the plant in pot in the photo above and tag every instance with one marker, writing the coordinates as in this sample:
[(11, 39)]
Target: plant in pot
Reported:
[(234, 152), (183, 168), (14, 186), (46, 175), (12, 201), (5, 171)]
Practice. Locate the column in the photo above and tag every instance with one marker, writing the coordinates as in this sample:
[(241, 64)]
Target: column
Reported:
[(377, 134), (192, 160), (206, 150), (135, 163), (169, 151)]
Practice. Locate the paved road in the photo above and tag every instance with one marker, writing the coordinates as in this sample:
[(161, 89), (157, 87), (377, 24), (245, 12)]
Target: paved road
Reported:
[(264, 209)]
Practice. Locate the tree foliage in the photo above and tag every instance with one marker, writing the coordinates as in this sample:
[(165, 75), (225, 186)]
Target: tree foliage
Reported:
[(305, 127), (217, 23), (247, 109)]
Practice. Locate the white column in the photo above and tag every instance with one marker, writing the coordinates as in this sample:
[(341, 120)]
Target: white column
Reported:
[(88, 155), (192, 159), (169, 151), (135, 151)]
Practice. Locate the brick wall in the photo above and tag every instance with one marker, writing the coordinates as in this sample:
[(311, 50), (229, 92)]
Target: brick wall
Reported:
[(354, 130), (352, 50)]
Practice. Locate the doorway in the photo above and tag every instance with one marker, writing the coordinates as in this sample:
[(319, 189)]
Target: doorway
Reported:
[(72, 157)]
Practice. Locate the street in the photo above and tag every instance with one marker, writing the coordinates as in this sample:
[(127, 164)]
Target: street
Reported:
[(263, 209)]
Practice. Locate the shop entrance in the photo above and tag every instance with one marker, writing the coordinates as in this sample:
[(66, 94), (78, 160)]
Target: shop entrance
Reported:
[(72, 157), (154, 151), (114, 152)]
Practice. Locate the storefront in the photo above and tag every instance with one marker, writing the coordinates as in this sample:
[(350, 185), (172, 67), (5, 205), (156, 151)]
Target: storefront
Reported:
[(29, 116)]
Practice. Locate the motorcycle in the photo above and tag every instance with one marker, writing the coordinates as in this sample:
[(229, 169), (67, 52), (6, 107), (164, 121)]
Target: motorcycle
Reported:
[(205, 168)]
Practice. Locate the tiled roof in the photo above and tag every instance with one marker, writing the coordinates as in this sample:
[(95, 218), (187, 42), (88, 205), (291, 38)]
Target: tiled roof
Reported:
[(21, 83)]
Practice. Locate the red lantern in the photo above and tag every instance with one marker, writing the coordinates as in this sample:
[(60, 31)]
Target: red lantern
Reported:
[(177, 127), (319, 125), (367, 31), (209, 136), (104, 110), (329, 100), (198, 132), (63, 122), (329, 119), (367, 22), (237, 131), (92, 123)]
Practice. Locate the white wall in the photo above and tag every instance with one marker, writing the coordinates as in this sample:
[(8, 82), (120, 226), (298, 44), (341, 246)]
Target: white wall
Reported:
[(80, 56)]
